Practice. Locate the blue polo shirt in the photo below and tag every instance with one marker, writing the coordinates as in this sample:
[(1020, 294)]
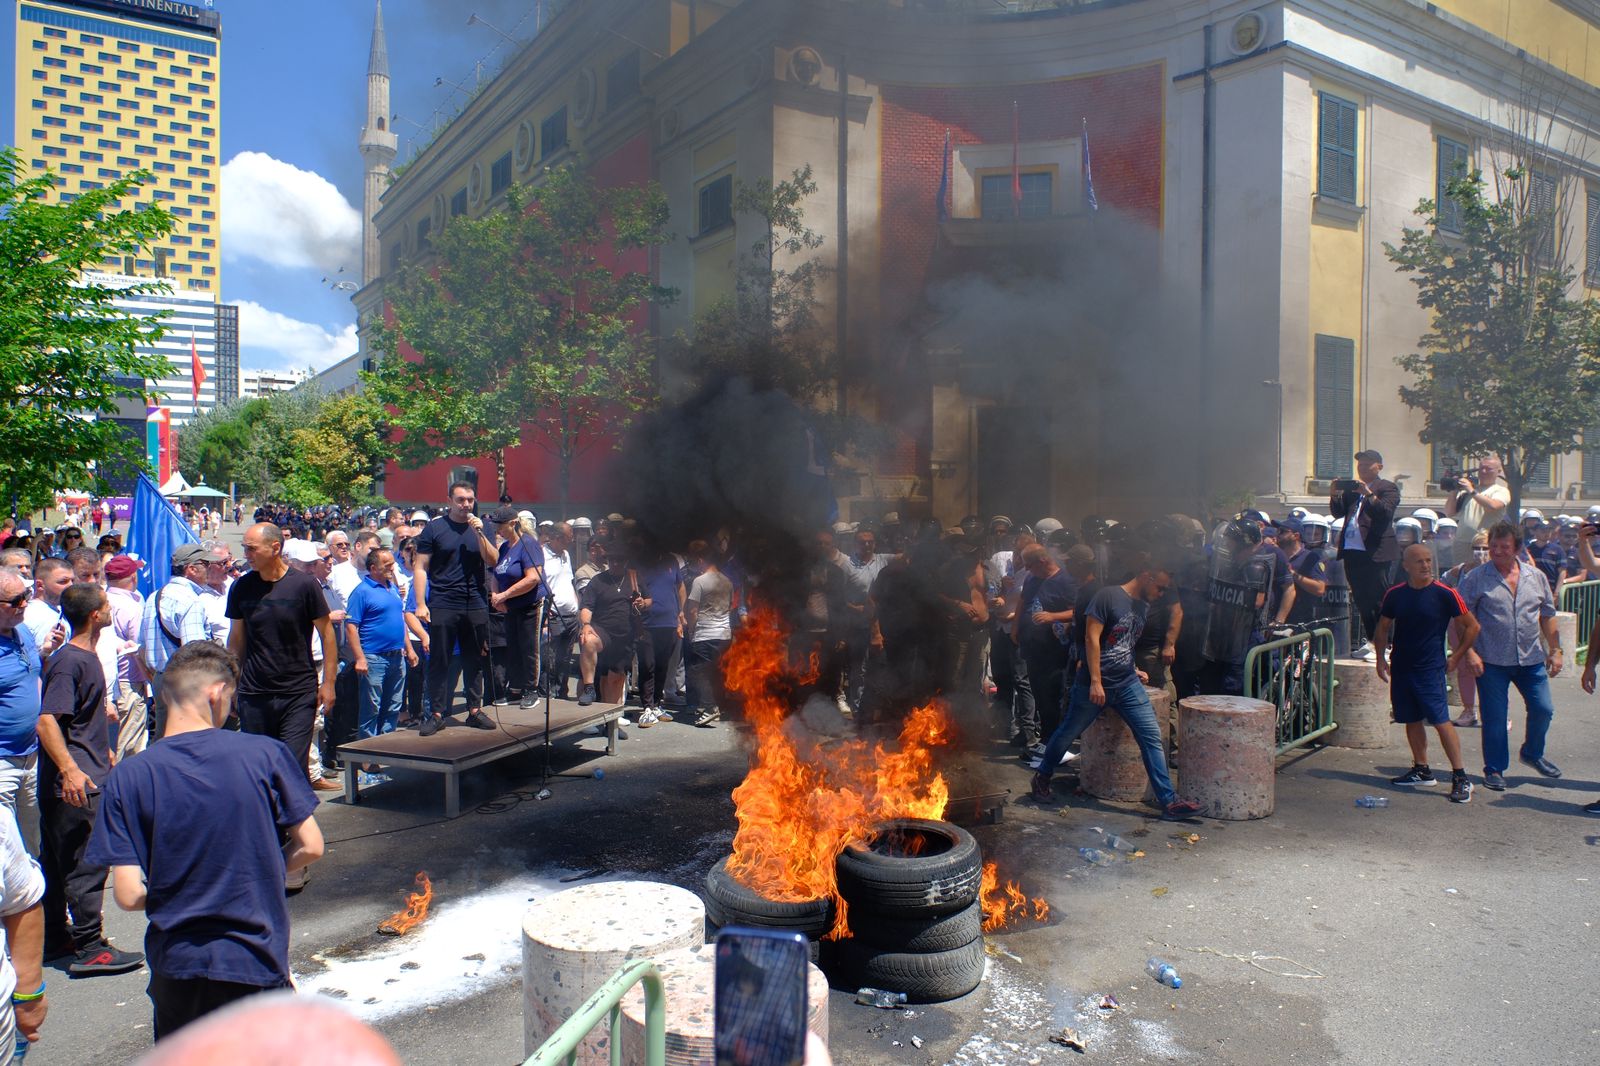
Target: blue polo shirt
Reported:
[(377, 613), (19, 693)]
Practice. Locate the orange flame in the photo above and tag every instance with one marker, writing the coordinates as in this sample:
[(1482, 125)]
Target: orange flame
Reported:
[(1003, 903), (415, 910), (805, 801)]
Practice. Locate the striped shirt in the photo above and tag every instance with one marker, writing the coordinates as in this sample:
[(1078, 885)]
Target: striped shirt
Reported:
[(1510, 621), (182, 610), (21, 886)]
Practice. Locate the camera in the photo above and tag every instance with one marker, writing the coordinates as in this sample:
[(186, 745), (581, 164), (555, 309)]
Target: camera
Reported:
[(1450, 481), (1347, 484)]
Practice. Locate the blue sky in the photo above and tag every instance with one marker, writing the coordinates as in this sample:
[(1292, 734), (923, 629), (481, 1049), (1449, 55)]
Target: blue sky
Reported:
[(293, 104)]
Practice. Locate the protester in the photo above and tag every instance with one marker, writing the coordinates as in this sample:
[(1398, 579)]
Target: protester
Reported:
[(860, 571), (1041, 631), (168, 815), (708, 613), (453, 556), (21, 562), (605, 628), (519, 605), (44, 617), (126, 679), (349, 566), (20, 672), (656, 584), (376, 632), (173, 617), (22, 984), (1367, 544), (562, 623)]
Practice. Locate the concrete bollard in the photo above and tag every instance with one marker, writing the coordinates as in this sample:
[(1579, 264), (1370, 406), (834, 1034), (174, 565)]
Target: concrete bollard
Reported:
[(574, 940), (1567, 630), (687, 977), (1109, 765), (1360, 706), (1229, 750)]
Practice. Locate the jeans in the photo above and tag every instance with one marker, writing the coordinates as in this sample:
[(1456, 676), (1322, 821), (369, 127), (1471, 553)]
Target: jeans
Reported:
[(1494, 706), (448, 627), (383, 692), (1048, 677), (19, 794), (704, 673), (1130, 700)]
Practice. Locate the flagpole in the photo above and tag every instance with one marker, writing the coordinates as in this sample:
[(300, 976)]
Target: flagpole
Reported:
[(1016, 171)]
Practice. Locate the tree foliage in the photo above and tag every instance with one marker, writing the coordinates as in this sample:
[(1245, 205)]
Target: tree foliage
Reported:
[(341, 453), (1510, 364), (66, 352), (521, 322)]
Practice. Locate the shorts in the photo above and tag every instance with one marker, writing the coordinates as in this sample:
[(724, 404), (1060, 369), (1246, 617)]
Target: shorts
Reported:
[(1419, 698), (616, 653)]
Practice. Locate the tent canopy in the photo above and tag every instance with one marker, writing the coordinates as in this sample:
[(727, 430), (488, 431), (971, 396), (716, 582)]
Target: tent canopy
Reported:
[(203, 491), (175, 486)]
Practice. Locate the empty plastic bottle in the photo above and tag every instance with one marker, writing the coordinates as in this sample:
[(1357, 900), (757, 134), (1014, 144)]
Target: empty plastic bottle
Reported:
[(1163, 971), (1372, 801), (1114, 841), (1096, 857), (877, 997)]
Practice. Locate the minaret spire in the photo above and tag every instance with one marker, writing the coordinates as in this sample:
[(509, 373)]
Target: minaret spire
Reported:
[(379, 145), (378, 59)]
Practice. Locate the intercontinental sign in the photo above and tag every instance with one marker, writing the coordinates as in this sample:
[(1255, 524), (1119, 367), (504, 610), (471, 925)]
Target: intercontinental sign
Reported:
[(199, 14)]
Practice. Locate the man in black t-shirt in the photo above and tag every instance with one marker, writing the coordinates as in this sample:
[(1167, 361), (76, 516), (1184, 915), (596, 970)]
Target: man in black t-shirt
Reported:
[(454, 557), (1044, 618), (76, 739), (275, 609), (605, 627)]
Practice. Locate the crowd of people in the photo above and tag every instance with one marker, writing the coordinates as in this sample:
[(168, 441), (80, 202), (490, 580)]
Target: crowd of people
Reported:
[(335, 626)]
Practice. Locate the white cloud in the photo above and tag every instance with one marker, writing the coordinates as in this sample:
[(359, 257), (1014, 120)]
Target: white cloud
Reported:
[(285, 216), (279, 342)]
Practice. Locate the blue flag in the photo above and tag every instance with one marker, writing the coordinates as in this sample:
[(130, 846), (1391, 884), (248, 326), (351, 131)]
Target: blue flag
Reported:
[(155, 528)]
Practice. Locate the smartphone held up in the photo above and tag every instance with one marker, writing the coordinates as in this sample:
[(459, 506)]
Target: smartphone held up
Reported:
[(760, 997)]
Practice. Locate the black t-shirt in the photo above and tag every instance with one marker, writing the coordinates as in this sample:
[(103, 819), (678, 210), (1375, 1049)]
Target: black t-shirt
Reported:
[(1053, 594), (1122, 619), (75, 693), (455, 567), (609, 599), (277, 617), (1421, 617), (200, 813), (1307, 607)]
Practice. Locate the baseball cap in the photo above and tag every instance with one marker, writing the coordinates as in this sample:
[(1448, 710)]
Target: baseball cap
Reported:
[(1370, 455), (1292, 524), (582, 523), (120, 566), (527, 516), (189, 554), (503, 514), (1081, 554), (300, 551)]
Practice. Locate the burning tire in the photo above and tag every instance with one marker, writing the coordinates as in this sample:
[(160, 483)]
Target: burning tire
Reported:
[(914, 868), (927, 977), (730, 903), (919, 936)]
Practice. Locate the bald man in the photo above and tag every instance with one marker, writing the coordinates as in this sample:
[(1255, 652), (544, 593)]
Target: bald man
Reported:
[(275, 610), (273, 1029)]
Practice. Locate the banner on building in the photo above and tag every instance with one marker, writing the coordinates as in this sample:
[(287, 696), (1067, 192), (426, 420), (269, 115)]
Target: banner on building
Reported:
[(158, 442)]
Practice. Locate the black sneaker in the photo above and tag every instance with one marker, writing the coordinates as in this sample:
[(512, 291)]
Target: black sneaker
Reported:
[(1460, 787), (429, 726), (1040, 789), (707, 717), (1593, 808), (587, 696), (101, 958), (1543, 766), (1494, 780), (478, 720), (526, 701), (1417, 775), (1032, 752), (501, 701)]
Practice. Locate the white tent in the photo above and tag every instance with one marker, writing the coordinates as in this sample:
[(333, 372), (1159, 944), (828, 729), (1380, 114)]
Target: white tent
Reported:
[(175, 485)]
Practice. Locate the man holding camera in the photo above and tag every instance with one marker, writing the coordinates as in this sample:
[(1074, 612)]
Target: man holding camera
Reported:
[(1367, 545), (1474, 505)]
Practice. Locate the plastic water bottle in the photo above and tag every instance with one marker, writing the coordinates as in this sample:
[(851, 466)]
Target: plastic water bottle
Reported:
[(1163, 971), (1114, 841), (877, 997), (1372, 801), (1096, 857)]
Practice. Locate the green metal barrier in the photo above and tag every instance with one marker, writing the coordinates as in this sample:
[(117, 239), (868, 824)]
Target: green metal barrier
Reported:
[(1582, 598), (1295, 674), (562, 1047)]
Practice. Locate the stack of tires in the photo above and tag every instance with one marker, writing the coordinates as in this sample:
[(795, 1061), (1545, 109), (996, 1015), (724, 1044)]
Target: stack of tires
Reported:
[(914, 912), (730, 903)]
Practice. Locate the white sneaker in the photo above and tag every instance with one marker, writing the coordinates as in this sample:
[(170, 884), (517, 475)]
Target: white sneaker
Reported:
[(648, 718), (844, 707), (1367, 653)]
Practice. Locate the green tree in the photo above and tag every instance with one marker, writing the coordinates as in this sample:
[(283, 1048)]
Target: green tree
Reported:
[(1510, 364), (66, 352), (518, 324), (214, 444), (342, 452)]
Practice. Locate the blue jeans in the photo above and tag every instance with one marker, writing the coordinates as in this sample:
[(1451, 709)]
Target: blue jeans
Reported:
[(383, 692), (1494, 706), (1130, 700)]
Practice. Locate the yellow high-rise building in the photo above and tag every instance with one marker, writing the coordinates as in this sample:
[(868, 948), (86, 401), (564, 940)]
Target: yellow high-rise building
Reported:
[(104, 87)]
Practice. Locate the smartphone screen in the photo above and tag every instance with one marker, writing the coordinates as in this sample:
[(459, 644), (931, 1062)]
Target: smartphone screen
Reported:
[(760, 998)]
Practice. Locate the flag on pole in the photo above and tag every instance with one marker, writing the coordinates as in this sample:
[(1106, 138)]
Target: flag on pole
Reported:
[(1016, 172), (155, 528), (196, 372), (1088, 172), (944, 179)]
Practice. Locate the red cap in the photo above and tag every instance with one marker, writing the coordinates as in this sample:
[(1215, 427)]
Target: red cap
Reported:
[(121, 566)]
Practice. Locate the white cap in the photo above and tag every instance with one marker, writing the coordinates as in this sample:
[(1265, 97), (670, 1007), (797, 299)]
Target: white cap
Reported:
[(527, 516), (300, 551), (419, 516)]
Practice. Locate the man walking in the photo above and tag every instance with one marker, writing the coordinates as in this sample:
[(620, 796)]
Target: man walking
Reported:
[(1044, 613), (20, 669), (174, 616), (1416, 616), (1367, 545), (1512, 602), (217, 931), (454, 556)]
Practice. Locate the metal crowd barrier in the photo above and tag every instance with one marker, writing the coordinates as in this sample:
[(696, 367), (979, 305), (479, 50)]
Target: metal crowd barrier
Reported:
[(1582, 598), (1295, 674), (562, 1047)]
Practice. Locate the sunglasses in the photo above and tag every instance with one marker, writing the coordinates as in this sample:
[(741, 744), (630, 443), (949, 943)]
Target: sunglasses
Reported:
[(18, 601)]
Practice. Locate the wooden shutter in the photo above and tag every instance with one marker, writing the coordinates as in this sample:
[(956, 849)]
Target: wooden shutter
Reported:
[(1336, 405), (1591, 452), (1542, 206), (1592, 243), (1336, 168), (1451, 163), (1539, 476)]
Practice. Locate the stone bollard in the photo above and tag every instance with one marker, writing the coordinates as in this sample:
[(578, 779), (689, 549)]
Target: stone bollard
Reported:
[(573, 941), (687, 977), (1229, 750), (1109, 764), (1567, 630), (1360, 706)]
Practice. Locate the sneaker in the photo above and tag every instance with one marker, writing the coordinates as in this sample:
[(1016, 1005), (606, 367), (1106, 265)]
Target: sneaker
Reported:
[(1593, 808), (1366, 653), (587, 696), (1494, 780), (1040, 789), (1033, 753), (1466, 721), (1180, 809), (1417, 775), (662, 714), (1066, 757), (501, 701), (101, 958), (429, 726), (526, 701), (844, 707), (478, 720), (366, 780), (1460, 787), (707, 717), (1544, 766), (647, 718)]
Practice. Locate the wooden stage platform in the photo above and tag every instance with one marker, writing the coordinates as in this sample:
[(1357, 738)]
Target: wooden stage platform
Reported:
[(458, 747)]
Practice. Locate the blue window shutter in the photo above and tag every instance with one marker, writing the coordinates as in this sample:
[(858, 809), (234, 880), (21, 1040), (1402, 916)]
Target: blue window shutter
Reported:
[(1452, 163), (1336, 164)]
